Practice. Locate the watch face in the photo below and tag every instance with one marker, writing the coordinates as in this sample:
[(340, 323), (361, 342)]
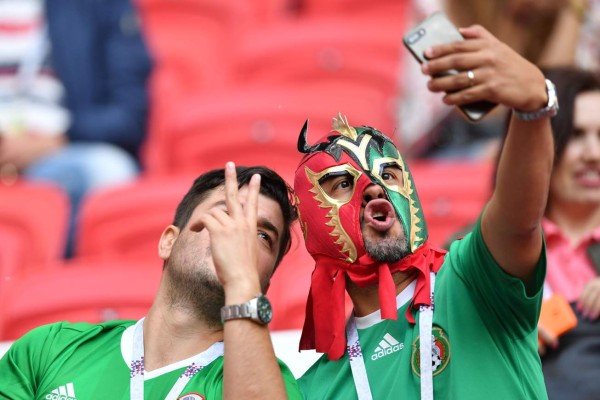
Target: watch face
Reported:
[(263, 309)]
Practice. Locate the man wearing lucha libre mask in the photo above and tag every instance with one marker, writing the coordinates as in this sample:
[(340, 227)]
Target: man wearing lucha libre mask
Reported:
[(478, 305)]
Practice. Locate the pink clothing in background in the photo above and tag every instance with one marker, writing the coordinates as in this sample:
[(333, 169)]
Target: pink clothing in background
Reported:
[(569, 269)]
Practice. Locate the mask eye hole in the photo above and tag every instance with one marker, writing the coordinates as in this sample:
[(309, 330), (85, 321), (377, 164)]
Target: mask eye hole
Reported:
[(391, 174), (338, 185)]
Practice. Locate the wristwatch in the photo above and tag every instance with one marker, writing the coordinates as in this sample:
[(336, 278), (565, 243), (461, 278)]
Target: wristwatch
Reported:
[(257, 309), (550, 110)]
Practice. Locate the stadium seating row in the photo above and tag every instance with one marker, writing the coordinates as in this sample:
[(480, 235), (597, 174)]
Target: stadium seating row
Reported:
[(225, 69)]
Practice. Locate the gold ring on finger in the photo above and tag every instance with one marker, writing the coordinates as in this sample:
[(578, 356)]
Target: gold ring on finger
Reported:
[(471, 76)]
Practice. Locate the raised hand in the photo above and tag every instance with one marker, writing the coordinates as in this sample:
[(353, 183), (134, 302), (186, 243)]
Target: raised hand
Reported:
[(233, 236), (491, 71), (589, 300)]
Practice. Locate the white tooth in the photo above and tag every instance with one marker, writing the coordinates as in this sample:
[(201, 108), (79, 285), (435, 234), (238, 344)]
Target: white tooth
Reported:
[(591, 174)]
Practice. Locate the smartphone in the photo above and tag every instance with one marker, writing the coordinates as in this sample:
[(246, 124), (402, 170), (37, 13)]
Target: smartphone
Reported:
[(437, 29)]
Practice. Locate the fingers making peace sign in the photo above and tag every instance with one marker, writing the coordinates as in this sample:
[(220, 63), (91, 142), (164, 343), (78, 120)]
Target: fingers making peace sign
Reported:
[(232, 227)]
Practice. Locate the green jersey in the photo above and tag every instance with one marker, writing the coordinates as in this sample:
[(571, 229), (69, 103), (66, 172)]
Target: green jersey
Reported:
[(81, 361), (485, 330)]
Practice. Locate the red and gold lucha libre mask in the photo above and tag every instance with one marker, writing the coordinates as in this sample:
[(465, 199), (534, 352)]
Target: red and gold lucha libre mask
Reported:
[(332, 227)]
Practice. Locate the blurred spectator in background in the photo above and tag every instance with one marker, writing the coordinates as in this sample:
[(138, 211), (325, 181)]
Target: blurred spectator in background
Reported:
[(73, 98), (547, 33), (572, 231)]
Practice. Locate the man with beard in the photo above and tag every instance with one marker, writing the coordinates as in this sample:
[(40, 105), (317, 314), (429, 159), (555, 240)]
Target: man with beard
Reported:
[(425, 323), (205, 336)]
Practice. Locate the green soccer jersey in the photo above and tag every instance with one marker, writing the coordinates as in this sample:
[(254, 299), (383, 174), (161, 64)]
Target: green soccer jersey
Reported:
[(485, 329), (81, 361)]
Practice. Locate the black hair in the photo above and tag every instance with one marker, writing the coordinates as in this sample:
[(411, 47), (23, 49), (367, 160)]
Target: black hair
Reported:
[(570, 82), (271, 186)]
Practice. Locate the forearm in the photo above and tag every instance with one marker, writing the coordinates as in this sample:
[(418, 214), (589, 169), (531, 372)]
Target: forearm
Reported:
[(251, 369), (523, 176), (511, 222)]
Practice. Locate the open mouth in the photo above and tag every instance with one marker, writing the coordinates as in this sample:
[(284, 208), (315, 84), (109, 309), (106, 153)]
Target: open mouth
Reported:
[(588, 178), (379, 215)]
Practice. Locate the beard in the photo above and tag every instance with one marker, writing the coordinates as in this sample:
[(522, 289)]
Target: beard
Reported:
[(385, 248), (193, 286)]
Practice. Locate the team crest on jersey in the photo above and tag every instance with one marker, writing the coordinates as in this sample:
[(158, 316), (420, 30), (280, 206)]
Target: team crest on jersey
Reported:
[(440, 350), (191, 396)]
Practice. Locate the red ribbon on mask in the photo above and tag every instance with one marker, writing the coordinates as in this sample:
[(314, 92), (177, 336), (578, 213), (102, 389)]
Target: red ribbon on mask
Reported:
[(324, 326)]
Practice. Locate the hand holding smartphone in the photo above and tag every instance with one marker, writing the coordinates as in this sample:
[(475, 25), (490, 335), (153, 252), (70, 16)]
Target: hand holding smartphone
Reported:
[(437, 29)]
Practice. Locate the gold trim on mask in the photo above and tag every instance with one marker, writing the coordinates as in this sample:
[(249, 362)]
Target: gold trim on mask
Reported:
[(340, 125), (325, 201), (377, 169), (360, 151)]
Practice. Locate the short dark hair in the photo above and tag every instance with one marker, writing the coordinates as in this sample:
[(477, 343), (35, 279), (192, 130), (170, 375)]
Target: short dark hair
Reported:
[(271, 185), (570, 83)]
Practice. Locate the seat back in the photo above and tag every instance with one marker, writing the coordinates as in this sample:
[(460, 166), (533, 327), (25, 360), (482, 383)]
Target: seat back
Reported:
[(79, 291), (33, 227), (187, 37), (128, 220), (322, 50), (255, 126)]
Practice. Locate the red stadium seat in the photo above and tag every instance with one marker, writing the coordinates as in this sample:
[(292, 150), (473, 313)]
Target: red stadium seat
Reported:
[(128, 220), (256, 126), (452, 195), (266, 12), (190, 42), (187, 40), (33, 227), (365, 8), (79, 291), (318, 51)]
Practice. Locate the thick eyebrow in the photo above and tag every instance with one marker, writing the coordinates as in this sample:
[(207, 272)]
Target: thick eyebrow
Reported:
[(390, 165)]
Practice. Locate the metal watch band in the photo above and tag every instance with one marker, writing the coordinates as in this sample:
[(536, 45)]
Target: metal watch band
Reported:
[(234, 311), (257, 309), (549, 111)]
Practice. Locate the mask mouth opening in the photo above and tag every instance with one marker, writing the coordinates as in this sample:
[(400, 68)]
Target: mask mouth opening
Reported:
[(379, 214)]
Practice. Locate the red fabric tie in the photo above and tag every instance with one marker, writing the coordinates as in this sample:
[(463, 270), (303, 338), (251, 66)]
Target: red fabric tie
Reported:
[(324, 327)]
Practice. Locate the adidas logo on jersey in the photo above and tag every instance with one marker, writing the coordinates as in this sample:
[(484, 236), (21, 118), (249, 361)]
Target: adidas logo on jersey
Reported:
[(387, 346), (64, 392)]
